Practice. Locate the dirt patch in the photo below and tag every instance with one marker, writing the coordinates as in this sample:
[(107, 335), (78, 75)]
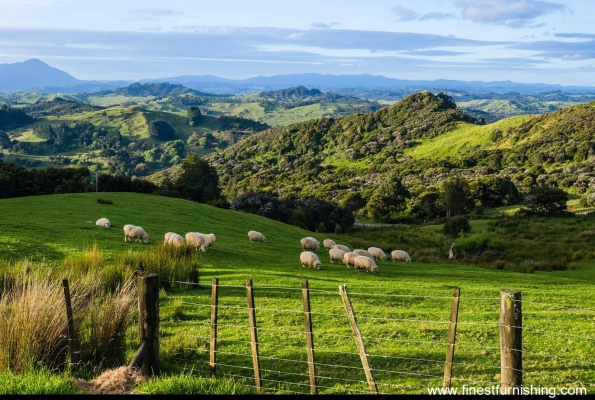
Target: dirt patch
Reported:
[(114, 381)]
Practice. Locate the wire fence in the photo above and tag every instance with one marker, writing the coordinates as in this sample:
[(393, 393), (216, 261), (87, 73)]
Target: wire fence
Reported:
[(405, 336)]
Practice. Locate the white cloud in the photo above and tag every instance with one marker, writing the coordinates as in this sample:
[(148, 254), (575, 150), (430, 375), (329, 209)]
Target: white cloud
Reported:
[(513, 13)]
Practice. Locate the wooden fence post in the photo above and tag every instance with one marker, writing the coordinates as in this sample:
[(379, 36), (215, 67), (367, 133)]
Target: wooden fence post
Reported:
[(309, 337), (358, 338), (72, 342), (148, 322), (214, 314), (452, 332), (253, 334), (511, 341)]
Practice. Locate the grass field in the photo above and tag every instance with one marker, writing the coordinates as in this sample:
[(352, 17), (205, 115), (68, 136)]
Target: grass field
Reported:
[(403, 310), (463, 138)]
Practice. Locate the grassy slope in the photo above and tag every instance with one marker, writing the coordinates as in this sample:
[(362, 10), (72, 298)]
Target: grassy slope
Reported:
[(53, 226), (464, 137)]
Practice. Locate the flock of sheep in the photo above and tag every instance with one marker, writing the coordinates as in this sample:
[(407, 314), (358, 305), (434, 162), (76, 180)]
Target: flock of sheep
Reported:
[(358, 258)]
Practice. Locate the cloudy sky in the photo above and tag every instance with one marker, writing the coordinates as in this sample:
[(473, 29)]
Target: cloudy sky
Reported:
[(531, 41)]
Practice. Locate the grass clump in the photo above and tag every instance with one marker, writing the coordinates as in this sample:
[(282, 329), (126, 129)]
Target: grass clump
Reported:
[(103, 201), (188, 384)]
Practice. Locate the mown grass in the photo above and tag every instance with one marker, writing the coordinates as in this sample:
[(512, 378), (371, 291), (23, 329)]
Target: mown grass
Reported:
[(402, 310)]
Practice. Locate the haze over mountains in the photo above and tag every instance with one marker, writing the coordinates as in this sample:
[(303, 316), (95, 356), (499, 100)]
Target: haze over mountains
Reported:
[(36, 76)]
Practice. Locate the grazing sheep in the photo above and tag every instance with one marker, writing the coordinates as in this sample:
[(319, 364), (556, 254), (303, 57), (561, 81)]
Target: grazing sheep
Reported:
[(309, 243), (348, 258), (309, 259), (363, 252), (336, 255), (363, 262), (377, 253), (135, 232), (400, 255), (174, 239), (328, 243), (341, 247), (197, 240), (210, 239), (103, 222), (256, 237)]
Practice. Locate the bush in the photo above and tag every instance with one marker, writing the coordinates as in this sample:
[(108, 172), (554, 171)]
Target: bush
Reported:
[(484, 243), (161, 130), (102, 201), (455, 225)]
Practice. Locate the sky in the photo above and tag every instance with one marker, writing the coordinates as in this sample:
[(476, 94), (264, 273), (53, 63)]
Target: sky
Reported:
[(529, 41)]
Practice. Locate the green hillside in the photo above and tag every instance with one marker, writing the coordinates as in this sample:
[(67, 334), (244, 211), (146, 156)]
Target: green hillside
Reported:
[(424, 139), (402, 310)]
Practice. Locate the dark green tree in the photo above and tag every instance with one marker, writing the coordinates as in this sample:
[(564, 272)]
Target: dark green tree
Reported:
[(546, 201), (455, 225), (455, 196), (194, 115), (161, 130), (198, 181), (388, 198)]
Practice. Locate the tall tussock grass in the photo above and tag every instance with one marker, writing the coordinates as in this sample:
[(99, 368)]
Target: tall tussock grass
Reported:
[(172, 264), (34, 329), (33, 321)]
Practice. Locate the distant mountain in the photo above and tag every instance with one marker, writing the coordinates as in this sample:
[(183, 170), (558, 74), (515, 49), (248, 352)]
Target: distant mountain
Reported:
[(31, 74), (215, 84), (35, 75), (292, 93), (154, 89)]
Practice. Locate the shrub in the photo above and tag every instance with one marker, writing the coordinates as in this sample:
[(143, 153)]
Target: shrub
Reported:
[(161, 130), (474, 245), (102, 201)]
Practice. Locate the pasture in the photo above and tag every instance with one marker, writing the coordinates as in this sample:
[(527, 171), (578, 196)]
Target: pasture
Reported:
[(403, 310)]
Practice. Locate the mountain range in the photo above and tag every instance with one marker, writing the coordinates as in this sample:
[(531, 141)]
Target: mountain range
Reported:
[(36, 76)]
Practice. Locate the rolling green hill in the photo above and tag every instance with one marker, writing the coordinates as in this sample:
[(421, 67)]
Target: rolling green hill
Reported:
[(424, 139)]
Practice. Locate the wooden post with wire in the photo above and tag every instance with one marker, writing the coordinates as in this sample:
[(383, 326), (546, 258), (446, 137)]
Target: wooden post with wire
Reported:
[(253, 334), (511, 341), (309, 337), (214, 314), (358, 338), (452, 332), (72, 342), (148, 324)]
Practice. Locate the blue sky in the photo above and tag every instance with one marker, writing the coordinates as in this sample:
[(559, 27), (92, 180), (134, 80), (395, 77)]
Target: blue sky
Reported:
[(549, 41)]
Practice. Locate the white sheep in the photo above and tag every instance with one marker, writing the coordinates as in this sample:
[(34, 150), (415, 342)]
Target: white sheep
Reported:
[(135, 232), (328, 243), (309, 243), (348, 258), (363, 262), (197, 240), (309, 259), (400, 255), (336, 255), (341, 247), (377, 253), (210, 239), (256, 237), (174, 239), (363, 252), (103, 222)]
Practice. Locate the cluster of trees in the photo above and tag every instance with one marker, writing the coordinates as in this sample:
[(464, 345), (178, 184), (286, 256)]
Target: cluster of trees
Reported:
[(11, 117), (311, 214), (61, 136), (57, 106), (162, 130), (229, 123), (197, 182)]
